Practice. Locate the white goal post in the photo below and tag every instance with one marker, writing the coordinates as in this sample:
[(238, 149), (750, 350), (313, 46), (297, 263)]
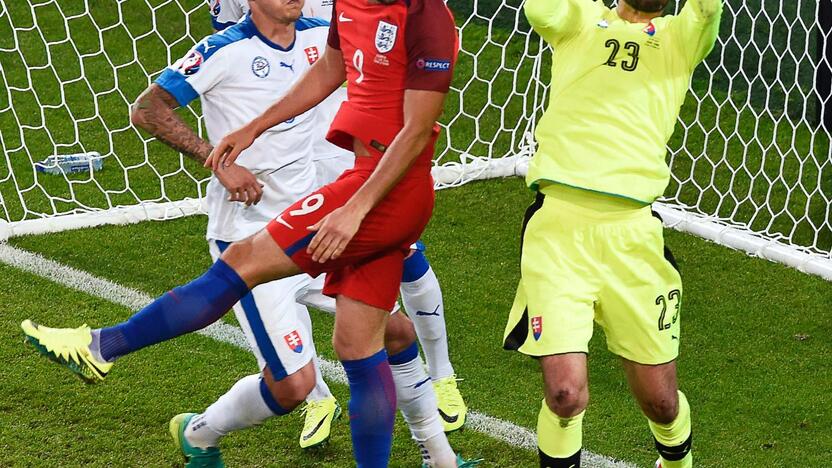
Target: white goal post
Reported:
[(750, 159)]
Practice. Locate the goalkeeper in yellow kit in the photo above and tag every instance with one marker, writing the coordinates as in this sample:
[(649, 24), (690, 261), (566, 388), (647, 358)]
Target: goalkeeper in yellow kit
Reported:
[(592, 251)]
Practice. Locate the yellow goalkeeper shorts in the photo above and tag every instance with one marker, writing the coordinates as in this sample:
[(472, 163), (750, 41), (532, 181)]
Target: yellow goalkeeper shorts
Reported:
[(590, 257)]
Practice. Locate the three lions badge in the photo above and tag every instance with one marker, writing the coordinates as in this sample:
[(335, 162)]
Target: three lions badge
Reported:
[(386, 37)]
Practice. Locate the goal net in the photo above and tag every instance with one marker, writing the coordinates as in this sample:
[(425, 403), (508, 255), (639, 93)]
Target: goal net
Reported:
[(750, 163)]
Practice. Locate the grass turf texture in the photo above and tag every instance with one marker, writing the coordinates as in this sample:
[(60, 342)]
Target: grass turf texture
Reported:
[(754, 353)]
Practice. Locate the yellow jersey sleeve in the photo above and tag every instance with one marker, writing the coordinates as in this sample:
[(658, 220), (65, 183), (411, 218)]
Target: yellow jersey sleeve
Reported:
[(698, 27), (557, 20)]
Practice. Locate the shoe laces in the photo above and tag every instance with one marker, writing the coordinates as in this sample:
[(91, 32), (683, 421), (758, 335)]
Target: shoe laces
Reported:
[(310, 407), (448, 392)]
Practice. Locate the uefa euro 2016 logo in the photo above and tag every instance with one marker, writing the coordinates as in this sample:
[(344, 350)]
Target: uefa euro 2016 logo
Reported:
[(190, 64), (260, 67)]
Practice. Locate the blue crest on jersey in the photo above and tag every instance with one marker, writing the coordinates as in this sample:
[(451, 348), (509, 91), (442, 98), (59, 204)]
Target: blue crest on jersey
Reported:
[(260, 67)]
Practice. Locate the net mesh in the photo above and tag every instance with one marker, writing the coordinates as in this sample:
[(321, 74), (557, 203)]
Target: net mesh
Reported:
[(748, 151)]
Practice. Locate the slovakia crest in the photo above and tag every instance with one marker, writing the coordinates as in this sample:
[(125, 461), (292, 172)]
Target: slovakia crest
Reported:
[(386, 36), (260, 67), (537, 327), (650, 30), (190, 65), (294, 341), (312, 54), (215, 7)]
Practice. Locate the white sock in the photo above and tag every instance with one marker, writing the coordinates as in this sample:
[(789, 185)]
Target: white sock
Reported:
[(321, 390), (417, 402), (423, 301), (241, 407)]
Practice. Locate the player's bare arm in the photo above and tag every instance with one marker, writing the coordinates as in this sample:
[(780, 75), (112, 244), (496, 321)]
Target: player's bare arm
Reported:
[(421, 111), (155, 112), (327, 75)]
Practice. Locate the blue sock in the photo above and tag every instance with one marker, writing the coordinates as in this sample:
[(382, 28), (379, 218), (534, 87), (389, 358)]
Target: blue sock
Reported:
[(410, 353), (183, 310), (415, 267), (270, 400), (372, 409)]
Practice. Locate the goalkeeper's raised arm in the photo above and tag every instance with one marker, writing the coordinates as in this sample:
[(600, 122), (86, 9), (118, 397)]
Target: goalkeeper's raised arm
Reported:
[(556, 20), (698, 28)]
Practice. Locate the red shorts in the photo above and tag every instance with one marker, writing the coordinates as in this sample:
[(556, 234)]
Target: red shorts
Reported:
[(370, 268)]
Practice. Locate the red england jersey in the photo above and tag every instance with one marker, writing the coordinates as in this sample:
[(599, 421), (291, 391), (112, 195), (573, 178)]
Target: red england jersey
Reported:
[(387, 49)]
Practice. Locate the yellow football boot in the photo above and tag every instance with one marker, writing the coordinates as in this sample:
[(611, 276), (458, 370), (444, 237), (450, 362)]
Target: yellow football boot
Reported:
[(452, 407), (68, 347), (318, 421)]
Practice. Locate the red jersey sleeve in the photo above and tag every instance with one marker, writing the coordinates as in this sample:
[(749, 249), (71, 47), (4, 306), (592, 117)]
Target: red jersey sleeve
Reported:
[(432, 46), (334, 40)]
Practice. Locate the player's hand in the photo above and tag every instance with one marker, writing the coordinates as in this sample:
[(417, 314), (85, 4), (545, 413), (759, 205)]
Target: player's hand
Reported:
[(334, 232), (241, 184), (230, 147)]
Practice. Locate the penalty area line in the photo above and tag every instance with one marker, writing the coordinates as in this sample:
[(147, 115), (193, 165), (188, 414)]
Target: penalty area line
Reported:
[(132, 299)]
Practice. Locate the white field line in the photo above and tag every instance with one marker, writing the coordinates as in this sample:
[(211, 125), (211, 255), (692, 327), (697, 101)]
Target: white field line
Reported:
[(132, 299)]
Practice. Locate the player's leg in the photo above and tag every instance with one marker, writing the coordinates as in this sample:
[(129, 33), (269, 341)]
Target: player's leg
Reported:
[(359, 342), (666, 408), (641, 315), (248, 403), (416, 400), (281, 342), (414, 394), (321, 407), (552, 318), (559, 423), (185, 309), (285, 316), (422, 298)]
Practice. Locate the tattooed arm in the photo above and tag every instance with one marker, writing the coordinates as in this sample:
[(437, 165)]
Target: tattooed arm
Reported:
[(155, 112)]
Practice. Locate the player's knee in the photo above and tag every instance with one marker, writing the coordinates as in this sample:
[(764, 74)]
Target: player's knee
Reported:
[(661, 409), (567, 399), (292, 390), (399, 334), (237, 253)]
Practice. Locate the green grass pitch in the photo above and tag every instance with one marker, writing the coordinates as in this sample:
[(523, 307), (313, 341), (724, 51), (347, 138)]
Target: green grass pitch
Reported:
[(756, 341), (755, 354)]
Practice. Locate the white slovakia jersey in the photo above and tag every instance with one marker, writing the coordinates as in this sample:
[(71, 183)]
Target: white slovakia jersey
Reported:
[(226, 13), (238, 74)]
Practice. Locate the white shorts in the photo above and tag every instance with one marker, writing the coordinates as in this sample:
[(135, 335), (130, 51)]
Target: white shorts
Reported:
[(278, 329)]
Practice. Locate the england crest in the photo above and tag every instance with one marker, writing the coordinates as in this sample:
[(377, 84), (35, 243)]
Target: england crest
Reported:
[(294, 341), (386, 36), (537, 327)]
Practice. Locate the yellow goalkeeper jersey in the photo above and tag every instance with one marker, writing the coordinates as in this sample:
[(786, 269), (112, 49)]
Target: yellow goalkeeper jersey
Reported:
[(616, 91)]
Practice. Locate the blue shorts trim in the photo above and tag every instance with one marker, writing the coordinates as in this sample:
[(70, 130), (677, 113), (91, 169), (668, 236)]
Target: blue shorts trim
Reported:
[(261, 337), (301, 244)]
